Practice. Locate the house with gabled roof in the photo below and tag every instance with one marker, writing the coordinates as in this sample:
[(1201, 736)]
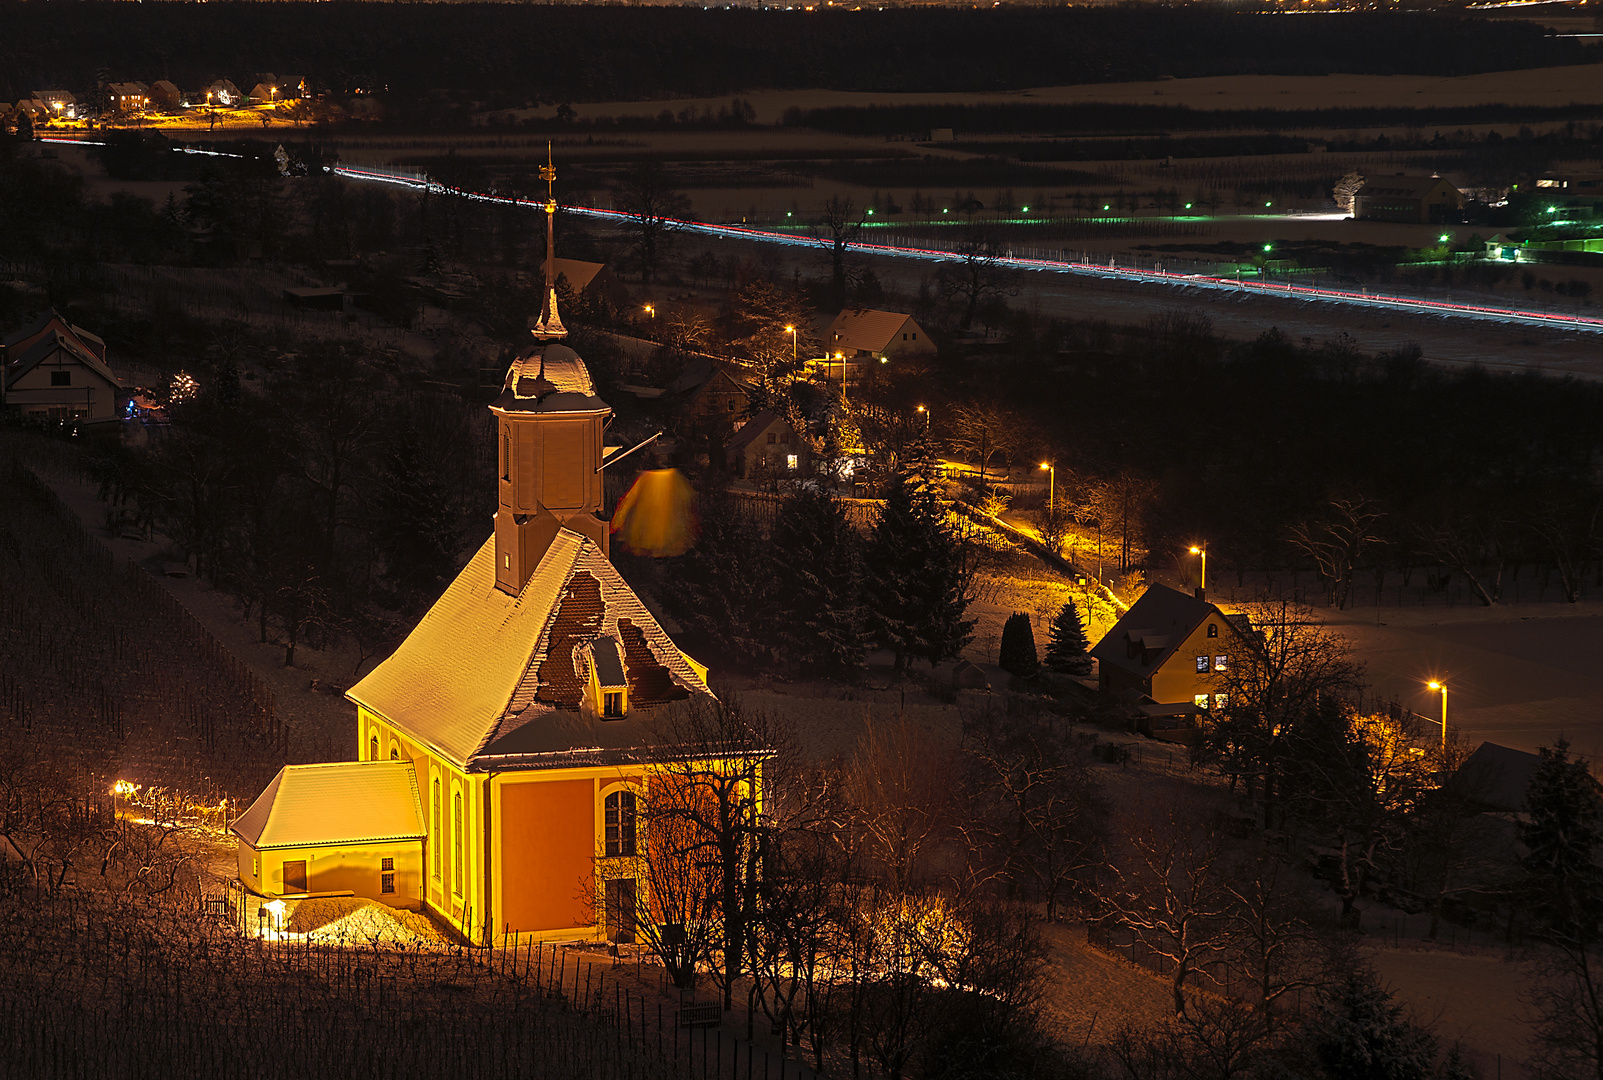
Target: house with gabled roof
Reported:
[(164, 94), (767, 444), (592, 283), (1171, 653), (524, 702), (336, 829), (54, 368), (865, 334), (706, 395)]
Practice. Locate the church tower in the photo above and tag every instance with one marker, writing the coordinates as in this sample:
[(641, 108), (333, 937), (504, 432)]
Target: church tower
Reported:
[(550, 448)]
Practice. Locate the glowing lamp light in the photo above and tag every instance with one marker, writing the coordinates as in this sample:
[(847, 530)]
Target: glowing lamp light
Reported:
[(1433, 685), (1188, 206), (1268, 204), (124, 788), (870, 211), (1268, 247), (1107, 207), (1444, 238), (1196, 551)]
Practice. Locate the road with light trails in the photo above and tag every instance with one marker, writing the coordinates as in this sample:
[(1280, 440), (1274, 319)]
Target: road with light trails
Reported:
[(1106, 271)]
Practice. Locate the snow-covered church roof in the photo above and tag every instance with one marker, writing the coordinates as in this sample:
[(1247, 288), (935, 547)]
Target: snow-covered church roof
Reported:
[(491, 680)]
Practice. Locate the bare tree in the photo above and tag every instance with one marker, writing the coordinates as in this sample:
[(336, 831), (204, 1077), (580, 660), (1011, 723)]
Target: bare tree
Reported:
[(1336, 542), (1169, 887), (836, 227), (655, 209), (703, 813), (901, 789), (974, 275), (1038, 807)]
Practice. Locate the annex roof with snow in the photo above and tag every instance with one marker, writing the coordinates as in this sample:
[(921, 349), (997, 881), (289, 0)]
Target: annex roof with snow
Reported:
[(344, 802), (495, 681)]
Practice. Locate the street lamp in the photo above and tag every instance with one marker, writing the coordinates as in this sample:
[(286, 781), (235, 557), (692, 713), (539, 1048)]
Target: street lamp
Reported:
[(1051, 486), (1434, 685), (1202, 581), (791, 330), (651, 311), (926, 413)]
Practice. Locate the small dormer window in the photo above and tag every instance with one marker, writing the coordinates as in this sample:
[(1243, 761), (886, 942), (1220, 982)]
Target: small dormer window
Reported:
[(612, 704)]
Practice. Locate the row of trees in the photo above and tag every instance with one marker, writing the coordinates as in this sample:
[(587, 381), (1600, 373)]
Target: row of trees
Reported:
[(330, 501)]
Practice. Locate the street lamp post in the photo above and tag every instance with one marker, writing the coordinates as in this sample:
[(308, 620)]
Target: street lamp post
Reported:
[(1435, 685), (1051, 486), (791, 330), (926, 413), (1202, 580)]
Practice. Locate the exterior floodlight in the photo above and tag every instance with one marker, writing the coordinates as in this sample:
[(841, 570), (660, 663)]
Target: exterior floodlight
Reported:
[(1026, 210), (1444, 238), (1107, 207), (1188, 206), (1268, 247), (1268, 204)]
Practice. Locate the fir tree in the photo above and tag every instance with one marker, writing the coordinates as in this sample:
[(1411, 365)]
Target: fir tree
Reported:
[(918, 573), (1562, 840), (1017, 655), (1068, 647), (817, 585), (1361, 1034), (720, 588)]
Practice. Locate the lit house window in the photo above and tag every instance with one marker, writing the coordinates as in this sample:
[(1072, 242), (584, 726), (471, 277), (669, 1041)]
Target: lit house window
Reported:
[(386, 875), (1200, 701), (1219, 701), (620, 823), (1202, 665), (1220, 662), (790, 462)]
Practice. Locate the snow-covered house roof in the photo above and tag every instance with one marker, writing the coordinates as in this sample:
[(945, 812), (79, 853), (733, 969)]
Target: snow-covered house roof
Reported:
[(346, 802), (491, 680), (870, 331)]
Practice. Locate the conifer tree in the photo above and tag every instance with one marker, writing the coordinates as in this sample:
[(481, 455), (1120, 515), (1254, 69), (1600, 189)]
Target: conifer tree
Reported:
[(721, 586), (817, 575), (1017, 655), (918, 573), (1562, 839), (1068, 647)]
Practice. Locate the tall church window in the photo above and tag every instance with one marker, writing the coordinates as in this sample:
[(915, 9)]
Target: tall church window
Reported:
[(620, 823), (372, 748), (439, 832), (506, 455), (457, 843)]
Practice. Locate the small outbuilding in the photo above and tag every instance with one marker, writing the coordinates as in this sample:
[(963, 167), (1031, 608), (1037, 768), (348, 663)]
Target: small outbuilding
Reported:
[(768, 445), (338, 829)]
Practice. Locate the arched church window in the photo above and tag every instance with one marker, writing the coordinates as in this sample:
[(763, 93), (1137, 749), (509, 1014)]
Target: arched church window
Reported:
[(620, 822), (457, 843), (372, 749)]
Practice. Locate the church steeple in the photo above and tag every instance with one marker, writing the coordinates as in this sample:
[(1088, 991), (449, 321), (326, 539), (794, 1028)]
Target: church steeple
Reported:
[(549, 327), (550, 422)]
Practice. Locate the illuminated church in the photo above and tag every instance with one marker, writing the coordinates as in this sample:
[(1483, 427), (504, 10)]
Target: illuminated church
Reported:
[(505, 743)]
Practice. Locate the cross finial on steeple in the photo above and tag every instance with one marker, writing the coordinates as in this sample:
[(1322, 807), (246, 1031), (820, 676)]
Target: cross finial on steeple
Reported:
[(550, 324)]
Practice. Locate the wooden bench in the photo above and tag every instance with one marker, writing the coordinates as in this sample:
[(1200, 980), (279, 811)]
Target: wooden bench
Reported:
[(691, 1016)]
